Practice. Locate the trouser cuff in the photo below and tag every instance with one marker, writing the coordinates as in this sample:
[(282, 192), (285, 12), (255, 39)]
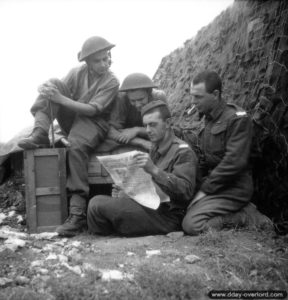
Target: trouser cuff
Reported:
[(78, 205), (42, 120)]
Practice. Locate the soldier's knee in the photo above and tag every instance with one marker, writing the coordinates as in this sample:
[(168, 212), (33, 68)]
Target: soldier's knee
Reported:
[(192, 226), (56, 81), (97, 204), (61, 86), (75, 147)]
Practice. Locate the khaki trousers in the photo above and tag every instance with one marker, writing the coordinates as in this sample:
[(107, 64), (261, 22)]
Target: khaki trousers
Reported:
[(84, 135)]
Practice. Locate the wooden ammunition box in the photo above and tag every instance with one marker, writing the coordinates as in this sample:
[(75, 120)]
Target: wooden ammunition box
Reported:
[(97, 173), (45, 189)]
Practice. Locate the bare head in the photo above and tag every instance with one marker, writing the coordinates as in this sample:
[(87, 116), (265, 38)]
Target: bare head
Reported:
[(206, 89)]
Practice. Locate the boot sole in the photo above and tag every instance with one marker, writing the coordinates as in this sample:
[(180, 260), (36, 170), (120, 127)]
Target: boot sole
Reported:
[(70, 233), (31, 146)]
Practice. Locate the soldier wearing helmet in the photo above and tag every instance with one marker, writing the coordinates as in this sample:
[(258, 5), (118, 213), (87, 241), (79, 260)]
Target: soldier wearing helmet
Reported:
[(126, 127), (81, 103)]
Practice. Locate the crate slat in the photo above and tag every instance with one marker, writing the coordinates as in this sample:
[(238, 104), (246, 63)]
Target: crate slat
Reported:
[(45, 188), (55, 190)]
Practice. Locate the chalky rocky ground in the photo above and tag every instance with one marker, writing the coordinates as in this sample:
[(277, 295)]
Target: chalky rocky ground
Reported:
[(173, 266)]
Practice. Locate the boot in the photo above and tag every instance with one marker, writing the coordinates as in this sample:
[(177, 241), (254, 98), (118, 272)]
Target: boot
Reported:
[(256, 219), (237, 219), (249, 217), (37, 139), (73, 225)]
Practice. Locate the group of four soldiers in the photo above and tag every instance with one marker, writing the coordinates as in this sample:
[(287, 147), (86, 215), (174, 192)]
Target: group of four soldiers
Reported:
[(91, 110)]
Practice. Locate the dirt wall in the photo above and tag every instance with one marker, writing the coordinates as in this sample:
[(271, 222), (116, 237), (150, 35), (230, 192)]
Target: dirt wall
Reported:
[(247, 44)]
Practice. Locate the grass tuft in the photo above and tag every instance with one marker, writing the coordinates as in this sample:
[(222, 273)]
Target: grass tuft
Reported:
[(165, 283)]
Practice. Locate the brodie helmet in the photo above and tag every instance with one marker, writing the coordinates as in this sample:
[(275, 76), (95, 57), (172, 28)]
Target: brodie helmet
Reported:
[(93, 45), (136, 81)]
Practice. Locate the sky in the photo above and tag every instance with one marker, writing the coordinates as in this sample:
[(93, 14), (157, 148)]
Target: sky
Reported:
[(40, 39)]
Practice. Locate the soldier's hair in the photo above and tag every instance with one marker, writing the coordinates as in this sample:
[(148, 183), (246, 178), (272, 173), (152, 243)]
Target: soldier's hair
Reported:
[(211, 79)]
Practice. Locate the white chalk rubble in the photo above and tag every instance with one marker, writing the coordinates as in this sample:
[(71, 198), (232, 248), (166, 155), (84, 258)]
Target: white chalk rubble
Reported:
[(150, 253)]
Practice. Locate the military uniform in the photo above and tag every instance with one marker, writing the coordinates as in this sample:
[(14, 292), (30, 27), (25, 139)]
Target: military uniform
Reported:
[(125, 115), (226, 180), (124, 216), (84, 133)]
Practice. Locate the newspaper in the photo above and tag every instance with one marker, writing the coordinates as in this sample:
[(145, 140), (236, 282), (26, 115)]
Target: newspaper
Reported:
[(134, 181)]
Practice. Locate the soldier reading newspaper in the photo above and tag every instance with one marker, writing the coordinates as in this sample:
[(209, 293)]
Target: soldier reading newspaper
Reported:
[(132, 180), (155, 188)]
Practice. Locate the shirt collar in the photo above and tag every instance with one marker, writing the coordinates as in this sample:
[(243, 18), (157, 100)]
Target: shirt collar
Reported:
[(165, 144), (92, 75), (217, 111)]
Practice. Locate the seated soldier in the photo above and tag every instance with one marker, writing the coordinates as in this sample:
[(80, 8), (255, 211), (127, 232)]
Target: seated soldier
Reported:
[(172, 165), (226, 187), (81, 102), (125, 122)]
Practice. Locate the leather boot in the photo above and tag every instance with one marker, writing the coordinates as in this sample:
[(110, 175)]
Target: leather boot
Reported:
[(237, 219), (73, 225), (37, 139), (256, 219), (248, 216)]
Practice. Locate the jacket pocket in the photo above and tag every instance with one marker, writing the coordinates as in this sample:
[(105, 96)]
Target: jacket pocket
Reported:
[(217, 142)]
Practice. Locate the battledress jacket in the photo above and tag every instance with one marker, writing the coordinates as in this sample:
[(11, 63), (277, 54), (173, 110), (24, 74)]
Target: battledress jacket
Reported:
[(100, 92), (177, 175), (225, 143), (83, 86)]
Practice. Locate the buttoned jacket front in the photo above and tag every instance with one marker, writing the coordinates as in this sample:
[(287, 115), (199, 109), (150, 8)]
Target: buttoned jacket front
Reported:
[(225, 143), (177, 175)]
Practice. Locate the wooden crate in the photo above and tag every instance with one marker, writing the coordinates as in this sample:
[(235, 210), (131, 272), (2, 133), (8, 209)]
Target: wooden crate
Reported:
[(97, 173), (45, 188)]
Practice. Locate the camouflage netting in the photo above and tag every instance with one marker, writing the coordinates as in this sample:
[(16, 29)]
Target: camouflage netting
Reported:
[(248, 46)]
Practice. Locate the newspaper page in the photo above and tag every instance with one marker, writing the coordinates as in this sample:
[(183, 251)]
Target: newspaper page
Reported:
[(134, 181)]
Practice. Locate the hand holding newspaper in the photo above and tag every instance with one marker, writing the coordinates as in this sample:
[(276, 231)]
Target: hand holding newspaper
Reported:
[(134, 181)]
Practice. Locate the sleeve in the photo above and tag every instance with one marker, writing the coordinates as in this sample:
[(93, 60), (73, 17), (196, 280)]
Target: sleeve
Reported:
[(235, 160), (180, 182), (70, 80), (105, 95), (119, 113)]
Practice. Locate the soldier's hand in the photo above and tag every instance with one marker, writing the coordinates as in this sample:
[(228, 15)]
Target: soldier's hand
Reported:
[(50, 91), (55, 95), (197, 197), (127, 134), (116, 191), (143, 160), (47, 89)]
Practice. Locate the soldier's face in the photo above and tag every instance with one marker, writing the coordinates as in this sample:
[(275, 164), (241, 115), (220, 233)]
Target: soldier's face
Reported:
[(99, 62), (156, 127), (204, 102), (138, 98)]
